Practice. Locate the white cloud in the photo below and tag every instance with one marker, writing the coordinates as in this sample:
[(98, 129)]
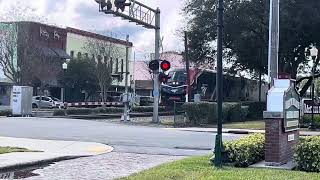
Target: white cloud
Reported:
[(84, 14)]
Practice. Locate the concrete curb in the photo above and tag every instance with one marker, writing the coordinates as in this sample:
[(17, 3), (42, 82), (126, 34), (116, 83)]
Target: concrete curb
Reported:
[(239, 131), (38, 163), (50, 151)]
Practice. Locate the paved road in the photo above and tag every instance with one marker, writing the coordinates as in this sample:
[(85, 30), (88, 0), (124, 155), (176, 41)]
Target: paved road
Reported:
[(136, 147), (124, 138)]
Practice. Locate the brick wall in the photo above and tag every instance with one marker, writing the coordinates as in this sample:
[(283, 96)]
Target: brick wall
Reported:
[(278, 149)]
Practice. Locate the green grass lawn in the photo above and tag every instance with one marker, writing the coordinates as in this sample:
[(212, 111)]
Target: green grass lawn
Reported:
[(198, 168), (4, 150), (245, 125)]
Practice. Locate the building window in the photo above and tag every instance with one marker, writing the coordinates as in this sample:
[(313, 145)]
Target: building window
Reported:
[(117, 66), (122, 67), (79, 55), (72, 54), (111, 65)]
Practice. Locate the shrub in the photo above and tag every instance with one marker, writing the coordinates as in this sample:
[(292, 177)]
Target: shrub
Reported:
[(105, 110), (244, 112), (200, 113), (255, 109), (78, 111), (206, 112), (147, 109), (246, 151), (231, 112), (7, 112), (307, 119), (307, 154), (59, 112)]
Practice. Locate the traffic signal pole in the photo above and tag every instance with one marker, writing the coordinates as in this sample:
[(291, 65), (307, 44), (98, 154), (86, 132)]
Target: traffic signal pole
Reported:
[(156, 91), (141, 15)]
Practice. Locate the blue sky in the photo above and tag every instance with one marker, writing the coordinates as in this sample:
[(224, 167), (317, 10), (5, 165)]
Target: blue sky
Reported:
[(84, 14)]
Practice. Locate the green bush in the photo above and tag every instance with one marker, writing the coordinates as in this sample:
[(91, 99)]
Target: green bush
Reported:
[(206, 112), (147, 109), (7, 112), (78, 111), (59, 112), (231, 112), (246, 151), (106, 110), (200, 113), (244, 112), (255, 109), (307, 119), (307, 154)]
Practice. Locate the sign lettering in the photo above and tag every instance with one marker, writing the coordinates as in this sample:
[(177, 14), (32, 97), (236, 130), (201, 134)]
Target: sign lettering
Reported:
[(291, 104)]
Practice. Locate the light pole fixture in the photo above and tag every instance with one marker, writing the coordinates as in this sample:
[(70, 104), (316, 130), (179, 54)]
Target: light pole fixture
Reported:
[(313, 54), (64, 67), (219, 144)]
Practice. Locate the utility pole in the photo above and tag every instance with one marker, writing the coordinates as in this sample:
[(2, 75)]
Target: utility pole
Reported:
[(126, 104), (218, 144), (273, 41), (156, 91), (186, 53)]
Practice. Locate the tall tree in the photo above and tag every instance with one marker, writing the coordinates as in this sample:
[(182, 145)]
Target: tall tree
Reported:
[(107, 54), (81, 75), (246, 32)]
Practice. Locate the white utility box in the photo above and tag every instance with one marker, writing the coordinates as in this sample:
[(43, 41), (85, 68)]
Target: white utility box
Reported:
[(275, 95), (22, 100)]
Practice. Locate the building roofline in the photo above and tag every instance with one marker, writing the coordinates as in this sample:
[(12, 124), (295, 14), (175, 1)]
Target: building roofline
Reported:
[(97, 36), (77, 31), (33, 22)]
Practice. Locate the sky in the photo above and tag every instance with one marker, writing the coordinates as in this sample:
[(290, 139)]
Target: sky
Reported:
[(84, 14)]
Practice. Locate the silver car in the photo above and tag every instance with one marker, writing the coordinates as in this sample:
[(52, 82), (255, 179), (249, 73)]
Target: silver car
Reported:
[(45, 102)]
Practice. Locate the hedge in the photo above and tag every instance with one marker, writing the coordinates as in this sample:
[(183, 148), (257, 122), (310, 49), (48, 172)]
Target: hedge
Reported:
[(106, 110), (255, 109), (7, 112), (306, 120), (147, 109), (245, 151), (307, 154), (103, 110), (206, 112)]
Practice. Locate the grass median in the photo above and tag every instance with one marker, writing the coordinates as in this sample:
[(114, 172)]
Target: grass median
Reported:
[(4, 150), (198, 168)]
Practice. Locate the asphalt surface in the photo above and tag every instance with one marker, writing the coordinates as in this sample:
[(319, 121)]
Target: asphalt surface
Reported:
[(136, 148), (124, 138)]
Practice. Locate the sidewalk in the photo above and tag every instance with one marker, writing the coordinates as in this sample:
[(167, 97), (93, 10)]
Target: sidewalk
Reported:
[(51, 151), (238, 131)]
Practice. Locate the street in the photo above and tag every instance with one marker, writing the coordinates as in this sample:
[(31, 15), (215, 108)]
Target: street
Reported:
[(136, 147)]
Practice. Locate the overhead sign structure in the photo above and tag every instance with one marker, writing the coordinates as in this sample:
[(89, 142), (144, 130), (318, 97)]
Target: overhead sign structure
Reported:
[(291, 103), (143, 15)]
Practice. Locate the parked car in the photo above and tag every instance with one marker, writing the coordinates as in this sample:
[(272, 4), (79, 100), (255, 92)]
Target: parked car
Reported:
[(57, 102), (46, 102), (42, 102)]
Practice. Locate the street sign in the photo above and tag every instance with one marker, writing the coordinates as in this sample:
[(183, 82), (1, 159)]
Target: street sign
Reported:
[(291, 103)]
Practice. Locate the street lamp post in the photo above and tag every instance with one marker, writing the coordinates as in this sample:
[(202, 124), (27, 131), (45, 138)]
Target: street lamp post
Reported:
[(64, 67), (219, 144), (314, 54)]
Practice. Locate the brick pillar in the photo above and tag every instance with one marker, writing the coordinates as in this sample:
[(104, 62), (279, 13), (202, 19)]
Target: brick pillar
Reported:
[(279, 144)]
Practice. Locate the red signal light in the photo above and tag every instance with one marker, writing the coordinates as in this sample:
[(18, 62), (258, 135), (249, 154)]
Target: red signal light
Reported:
[(165, 65)]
